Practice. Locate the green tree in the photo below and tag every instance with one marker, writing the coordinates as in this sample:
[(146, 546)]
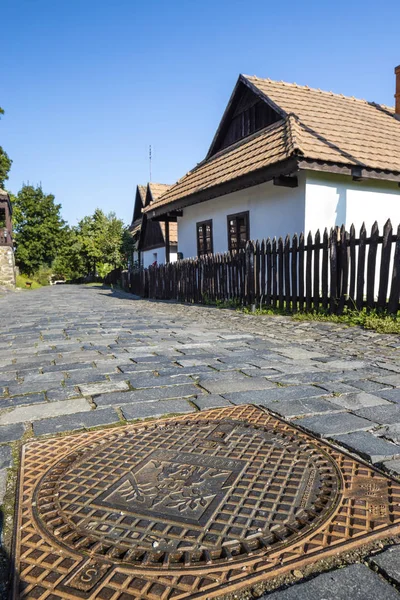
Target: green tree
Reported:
[(5, 162), (39, 230), (68, 263), (100, 236)]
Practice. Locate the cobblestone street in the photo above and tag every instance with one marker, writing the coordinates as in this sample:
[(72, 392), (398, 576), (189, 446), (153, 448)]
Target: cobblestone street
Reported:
[(76, 357)]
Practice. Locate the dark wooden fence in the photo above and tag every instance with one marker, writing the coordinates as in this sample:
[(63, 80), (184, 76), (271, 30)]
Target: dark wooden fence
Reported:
[(295, 274)]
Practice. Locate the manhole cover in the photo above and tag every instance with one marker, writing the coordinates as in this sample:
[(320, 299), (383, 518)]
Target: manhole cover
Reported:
[(188, 507)]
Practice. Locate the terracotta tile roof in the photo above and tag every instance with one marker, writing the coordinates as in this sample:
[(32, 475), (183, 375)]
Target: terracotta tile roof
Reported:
[(157, 190), (142, 191), (315, 125), (269, 145), (342, 129)]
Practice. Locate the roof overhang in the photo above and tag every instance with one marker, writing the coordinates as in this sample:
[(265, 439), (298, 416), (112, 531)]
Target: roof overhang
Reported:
[(172, 210), (286, 167), (357, 172)]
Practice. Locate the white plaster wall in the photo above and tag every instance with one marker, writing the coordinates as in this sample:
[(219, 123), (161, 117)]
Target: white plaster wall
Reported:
[(148, 256), (334, 200), (273, 211)]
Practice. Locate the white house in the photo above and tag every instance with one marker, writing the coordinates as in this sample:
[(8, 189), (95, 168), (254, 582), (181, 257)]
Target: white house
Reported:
[(287, 159), (157, 240)]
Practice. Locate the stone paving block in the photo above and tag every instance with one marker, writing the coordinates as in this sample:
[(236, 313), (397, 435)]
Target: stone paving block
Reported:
[(46, 378), (147, 395), (338, 387), (388, 563), (337, 424), (343, 365), (197, 362), (356, 582), (319, 377), (103, 387), (392, 395), (227, 385), (19, 400), (388, 379), (5, 457), (150, 381), (297, 408), (35, 412), (210, 401), (65, 392), (86, 376), (93, 418), (368, 386), (30, 388), (384, 414), (136, 368), (297, 353), (265, 397), (73, 366), (369, 446), (10, 433), (156, 409), (356, 401)]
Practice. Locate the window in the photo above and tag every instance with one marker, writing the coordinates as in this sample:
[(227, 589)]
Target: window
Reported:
[(2, 217), (238, 231), (204, 238)]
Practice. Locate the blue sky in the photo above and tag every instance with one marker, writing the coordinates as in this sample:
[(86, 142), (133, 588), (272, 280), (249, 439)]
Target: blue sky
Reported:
[(87, 85)]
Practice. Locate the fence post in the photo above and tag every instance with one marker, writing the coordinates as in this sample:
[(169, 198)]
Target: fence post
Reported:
[(334, 270), (371, 265), (395, 287), (385, 264)]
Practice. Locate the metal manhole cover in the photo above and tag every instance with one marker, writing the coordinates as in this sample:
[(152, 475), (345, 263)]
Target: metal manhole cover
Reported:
[(188, 507)]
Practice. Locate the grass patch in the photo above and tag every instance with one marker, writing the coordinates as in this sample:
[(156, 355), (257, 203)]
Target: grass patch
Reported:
[(22, 280), (374, 320)]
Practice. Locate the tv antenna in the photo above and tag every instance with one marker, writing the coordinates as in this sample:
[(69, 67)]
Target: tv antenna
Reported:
[(150, 161)]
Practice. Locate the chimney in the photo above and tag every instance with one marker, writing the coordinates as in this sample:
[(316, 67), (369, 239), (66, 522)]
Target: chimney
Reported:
[(397, 94)]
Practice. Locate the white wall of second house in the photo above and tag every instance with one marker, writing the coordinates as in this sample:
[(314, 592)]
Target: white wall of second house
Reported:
[(273, 211), (149, 256), (336, 200)]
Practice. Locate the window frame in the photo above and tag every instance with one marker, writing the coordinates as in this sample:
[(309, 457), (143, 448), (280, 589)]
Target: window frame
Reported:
[(236, 216), (203, 225)]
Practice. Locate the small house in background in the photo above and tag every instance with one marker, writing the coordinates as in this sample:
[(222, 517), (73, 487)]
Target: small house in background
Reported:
[(158, 240), (7, 261), (286, 159), (136, 225)]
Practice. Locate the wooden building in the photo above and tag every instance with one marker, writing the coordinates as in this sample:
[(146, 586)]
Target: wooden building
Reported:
[(7, 262), (158, 241), (136, 225)]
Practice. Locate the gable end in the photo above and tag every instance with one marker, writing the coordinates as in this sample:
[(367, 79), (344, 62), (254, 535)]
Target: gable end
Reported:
[(246, 113)]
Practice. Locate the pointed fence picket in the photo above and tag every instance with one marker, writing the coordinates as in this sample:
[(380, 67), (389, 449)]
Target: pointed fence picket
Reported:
[(293, 274)]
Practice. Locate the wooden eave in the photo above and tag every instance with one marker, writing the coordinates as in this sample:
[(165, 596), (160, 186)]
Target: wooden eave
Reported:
[(362, 172), (283, 168), (286, 167)]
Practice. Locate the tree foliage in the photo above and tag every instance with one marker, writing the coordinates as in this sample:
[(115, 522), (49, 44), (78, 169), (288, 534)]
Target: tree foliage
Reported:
[(39, 230), (100, 238), (96, 246), (5, 162)]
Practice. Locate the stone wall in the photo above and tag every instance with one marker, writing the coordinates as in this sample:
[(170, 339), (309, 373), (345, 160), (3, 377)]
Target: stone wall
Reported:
[(7, 266)]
